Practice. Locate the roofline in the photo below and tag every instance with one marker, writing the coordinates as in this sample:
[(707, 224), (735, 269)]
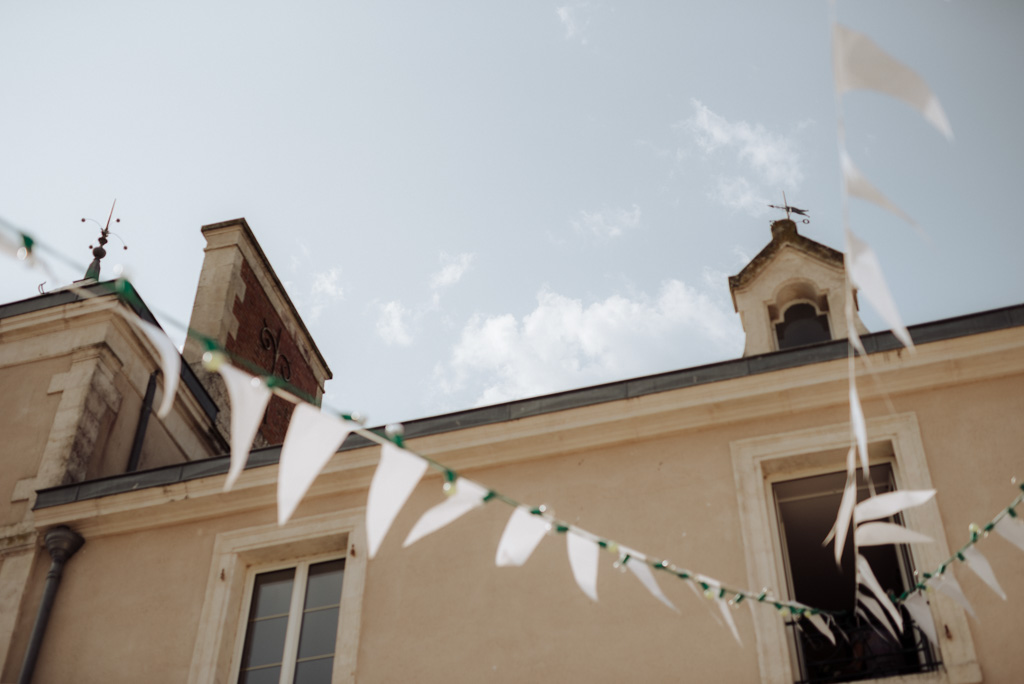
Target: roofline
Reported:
[(103, 289), (277, 281), (936, 331)]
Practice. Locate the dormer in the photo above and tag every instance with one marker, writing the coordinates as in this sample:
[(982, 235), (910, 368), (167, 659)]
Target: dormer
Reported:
[(793, 293)]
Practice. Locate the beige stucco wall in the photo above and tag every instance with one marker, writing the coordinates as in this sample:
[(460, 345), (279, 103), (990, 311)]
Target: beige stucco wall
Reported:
[(653, 472)]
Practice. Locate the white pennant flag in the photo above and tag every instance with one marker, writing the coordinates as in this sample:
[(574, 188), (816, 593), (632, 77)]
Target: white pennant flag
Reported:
[(521, 536), (876, 610), (947, 584), (723, 606), (859, 186), (866, 577), (1012, 530), (866, 274), (983, 569), (249, 396), (860, 430), (879, 533), (637, 564), (583, 555), (170, 360), (890, 503), (468, 495), (859, 63), (398, 473), (921, 614), (842, 523), (312, 438), (822, 626)]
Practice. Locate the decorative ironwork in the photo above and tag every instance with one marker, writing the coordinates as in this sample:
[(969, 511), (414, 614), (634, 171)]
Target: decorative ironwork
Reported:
[(98, 252), (862, 651), (788, 209), (280, 365)]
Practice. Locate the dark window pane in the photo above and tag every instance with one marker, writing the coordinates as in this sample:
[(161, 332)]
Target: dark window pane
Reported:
[(268, 675), (319, 629), (314, 671), (272, 593), (264, 643), (324, 585)]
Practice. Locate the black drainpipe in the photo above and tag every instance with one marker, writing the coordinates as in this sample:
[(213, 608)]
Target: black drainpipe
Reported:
[(140, 428), (61, 542)]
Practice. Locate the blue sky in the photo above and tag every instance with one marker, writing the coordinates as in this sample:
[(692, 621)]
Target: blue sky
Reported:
[(473, 202)]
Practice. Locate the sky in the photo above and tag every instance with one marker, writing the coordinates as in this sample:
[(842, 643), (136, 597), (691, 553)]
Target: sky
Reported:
[(474, 202)]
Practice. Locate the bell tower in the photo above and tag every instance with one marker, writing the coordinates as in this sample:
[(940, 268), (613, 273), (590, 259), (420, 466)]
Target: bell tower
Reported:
[(792, 294)]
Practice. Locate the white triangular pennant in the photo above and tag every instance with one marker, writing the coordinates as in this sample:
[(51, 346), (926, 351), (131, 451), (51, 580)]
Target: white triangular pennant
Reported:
[(170, 360), (842, 524), (397, 474), (921, 614), (983, 569), (867, 577), (878, 533), (249, 396), (638, 566), (1012, 530), (890, 503), (312, 438), (822, 626), (858, 186), (859, 63), (875, 609), (583, 555), (860, 430), (467, 496), (866, 273), (947, 584), (723, 606), (521, 536)]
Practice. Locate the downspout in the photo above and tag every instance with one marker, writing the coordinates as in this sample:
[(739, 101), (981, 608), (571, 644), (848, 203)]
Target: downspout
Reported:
[(62, 543), (140, 427)]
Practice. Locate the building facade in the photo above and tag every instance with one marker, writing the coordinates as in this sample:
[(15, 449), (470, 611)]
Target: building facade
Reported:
[(726, 469)]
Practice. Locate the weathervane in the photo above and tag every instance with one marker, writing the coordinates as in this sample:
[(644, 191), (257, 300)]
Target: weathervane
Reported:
[(785, 207), (98, 252)]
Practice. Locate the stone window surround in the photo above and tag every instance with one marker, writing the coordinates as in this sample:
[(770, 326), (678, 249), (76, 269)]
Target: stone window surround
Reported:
[(760, 461), (239, 554)]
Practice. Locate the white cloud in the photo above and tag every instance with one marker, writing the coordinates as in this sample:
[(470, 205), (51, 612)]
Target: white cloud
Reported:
[(452, 270), (391, 324), (772, 158), (737, 193), (323, 290), (326, 283), (571, 24), (608, 223), (563, 344)]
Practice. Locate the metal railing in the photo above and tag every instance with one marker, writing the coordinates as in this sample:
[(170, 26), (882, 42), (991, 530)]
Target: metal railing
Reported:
[(862, 651)]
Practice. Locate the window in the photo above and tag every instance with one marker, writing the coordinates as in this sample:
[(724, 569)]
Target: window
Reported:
[(801, 324), (806, 508), (293, 624), (896, 450), (276, 595)]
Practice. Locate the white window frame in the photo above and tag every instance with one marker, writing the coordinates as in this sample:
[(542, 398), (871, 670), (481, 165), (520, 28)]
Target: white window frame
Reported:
[(239, 555), (295, 611), (760, 461)]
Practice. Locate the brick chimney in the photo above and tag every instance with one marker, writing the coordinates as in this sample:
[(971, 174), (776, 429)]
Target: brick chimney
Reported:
[(241, 303)]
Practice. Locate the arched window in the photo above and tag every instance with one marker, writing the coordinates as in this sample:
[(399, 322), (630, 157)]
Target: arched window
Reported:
[(801, 325)]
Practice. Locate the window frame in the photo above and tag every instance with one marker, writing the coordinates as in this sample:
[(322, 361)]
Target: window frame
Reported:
[(239, 555), (295, 610), (759, 462)]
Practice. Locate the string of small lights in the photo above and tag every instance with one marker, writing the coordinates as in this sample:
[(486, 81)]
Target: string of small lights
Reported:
[(393, 434)]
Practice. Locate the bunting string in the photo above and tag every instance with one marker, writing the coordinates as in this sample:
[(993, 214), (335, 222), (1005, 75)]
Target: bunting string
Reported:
[(315, 435)]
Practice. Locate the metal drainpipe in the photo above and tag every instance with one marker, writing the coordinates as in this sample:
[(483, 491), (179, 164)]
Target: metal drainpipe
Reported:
[(140, 427), (62, 543)]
